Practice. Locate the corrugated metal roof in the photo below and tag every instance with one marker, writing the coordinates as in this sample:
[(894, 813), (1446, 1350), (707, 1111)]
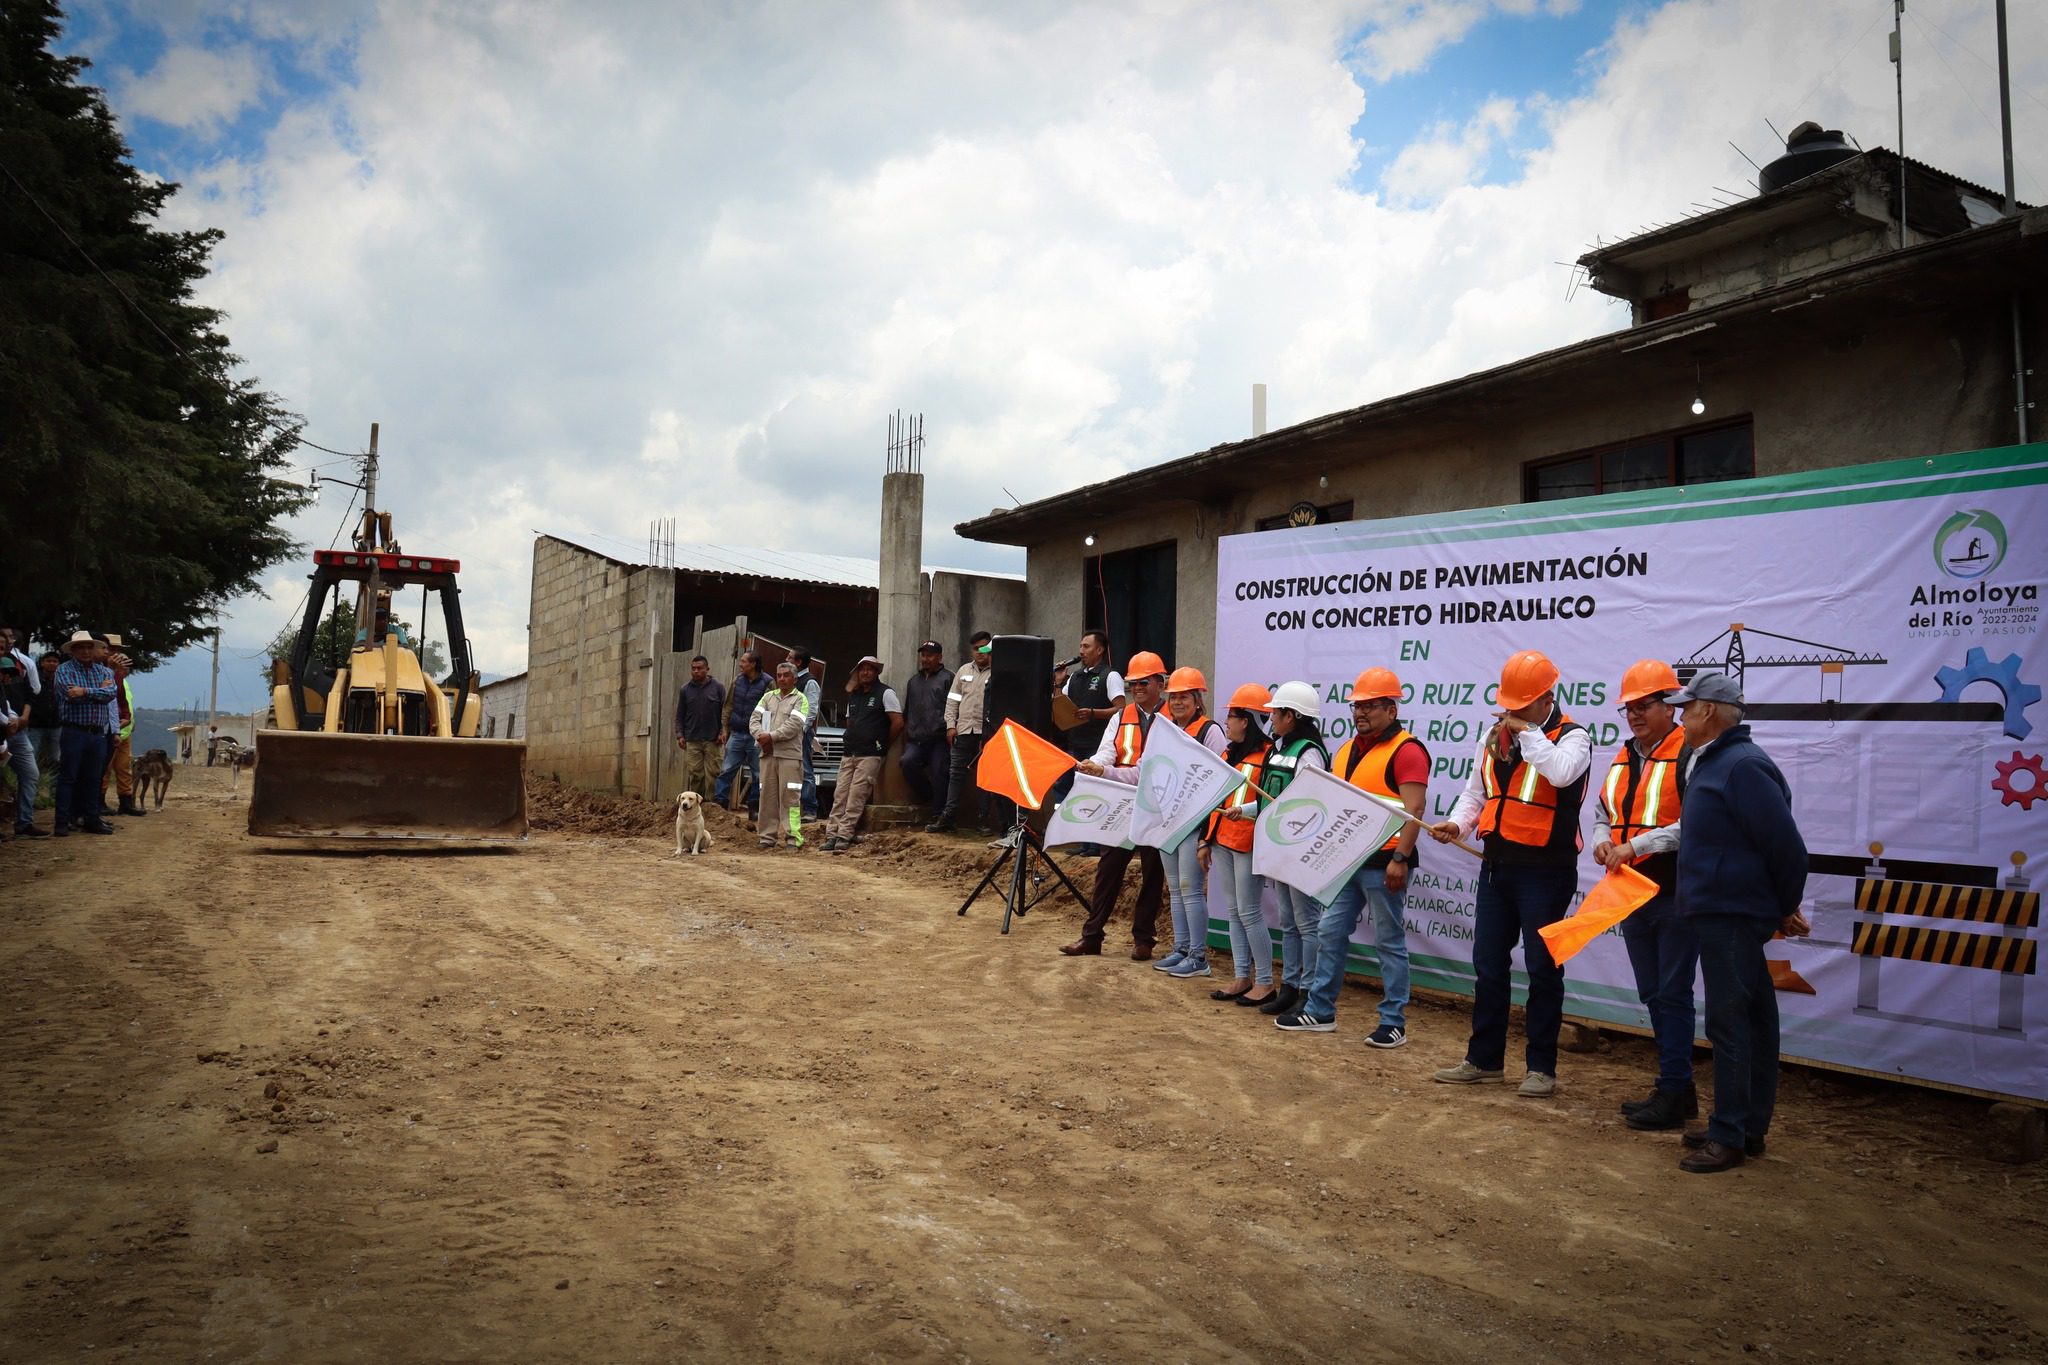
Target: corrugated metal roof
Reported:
[(795, 566)]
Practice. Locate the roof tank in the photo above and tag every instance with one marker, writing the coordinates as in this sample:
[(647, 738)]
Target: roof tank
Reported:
[(1809, 148)]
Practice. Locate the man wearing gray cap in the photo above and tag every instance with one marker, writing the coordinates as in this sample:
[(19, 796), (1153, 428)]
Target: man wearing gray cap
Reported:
[(874, 718), (1741, 871)]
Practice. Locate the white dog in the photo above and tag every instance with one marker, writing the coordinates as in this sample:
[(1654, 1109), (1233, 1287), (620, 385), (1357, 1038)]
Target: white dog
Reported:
[(690, 824)]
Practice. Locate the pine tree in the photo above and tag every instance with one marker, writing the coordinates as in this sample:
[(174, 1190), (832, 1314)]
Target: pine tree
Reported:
[(139, 478)]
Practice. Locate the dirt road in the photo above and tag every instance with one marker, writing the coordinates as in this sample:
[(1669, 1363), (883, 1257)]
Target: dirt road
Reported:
[(579, 1103)]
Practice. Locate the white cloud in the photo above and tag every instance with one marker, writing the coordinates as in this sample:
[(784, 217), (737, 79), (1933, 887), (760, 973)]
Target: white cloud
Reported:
[(595, 266), (195, 88)]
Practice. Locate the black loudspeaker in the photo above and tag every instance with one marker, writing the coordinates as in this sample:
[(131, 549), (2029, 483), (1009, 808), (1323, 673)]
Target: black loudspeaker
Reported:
[(1020, 689)]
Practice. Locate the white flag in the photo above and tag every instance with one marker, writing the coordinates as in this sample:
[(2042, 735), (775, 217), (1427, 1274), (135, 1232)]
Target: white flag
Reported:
[(1315, 835), (1179, 782), (1096, 811)]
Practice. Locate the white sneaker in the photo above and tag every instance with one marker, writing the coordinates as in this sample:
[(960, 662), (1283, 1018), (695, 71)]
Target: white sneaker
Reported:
[(1538, 1085)]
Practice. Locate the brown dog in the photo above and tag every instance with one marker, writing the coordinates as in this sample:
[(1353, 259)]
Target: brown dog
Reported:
[(153, 773)]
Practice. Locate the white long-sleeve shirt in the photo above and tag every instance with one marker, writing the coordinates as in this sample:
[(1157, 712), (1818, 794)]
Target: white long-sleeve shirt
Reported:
[(1215, 739), (1560, 764)]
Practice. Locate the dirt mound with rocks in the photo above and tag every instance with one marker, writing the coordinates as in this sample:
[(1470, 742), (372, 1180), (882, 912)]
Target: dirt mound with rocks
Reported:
[(557, 806)]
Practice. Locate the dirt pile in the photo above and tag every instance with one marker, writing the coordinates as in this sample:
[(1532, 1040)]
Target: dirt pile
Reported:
[(552, 805)]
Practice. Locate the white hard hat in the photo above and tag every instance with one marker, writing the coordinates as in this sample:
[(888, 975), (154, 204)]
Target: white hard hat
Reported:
[(1298, 697)]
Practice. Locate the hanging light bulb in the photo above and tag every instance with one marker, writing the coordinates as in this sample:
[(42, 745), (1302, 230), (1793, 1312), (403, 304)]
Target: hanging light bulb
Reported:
[(1088, 539), (1699, 403)]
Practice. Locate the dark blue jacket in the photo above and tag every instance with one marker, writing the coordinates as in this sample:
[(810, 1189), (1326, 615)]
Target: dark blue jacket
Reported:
[(1739, 853)]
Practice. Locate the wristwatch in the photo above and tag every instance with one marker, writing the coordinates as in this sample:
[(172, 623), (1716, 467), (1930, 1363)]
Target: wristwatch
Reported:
[(1400, 858)]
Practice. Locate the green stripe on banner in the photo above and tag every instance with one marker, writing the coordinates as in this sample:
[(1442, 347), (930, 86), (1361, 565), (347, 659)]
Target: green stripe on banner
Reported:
[(1890, 481)]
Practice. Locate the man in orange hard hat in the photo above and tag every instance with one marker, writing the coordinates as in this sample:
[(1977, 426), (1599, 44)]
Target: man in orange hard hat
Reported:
[(1116, 758), (1635, 821), (1528, 782), (1381, 757)]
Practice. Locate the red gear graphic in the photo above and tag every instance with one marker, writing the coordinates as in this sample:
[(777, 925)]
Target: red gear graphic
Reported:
[(2023, 797)]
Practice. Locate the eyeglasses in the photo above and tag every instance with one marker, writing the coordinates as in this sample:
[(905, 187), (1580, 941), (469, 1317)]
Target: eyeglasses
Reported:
[(1640, 705), (1376, 704)]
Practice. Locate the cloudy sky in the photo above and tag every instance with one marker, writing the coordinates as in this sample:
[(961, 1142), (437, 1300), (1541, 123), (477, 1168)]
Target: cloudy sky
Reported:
[(596, 263)]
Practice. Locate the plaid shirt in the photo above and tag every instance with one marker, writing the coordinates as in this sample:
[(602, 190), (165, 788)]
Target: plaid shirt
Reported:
[(91, 709)]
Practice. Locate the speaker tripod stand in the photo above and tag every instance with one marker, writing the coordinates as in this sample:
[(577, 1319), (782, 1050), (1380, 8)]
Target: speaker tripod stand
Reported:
[(1025, 856)]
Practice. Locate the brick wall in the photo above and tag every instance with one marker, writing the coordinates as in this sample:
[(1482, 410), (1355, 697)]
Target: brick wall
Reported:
[(577, 666)]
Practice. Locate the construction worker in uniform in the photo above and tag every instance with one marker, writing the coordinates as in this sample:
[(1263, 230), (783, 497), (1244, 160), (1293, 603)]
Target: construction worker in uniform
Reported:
[(1635, 821), (1116, 758), (777, 728), (1381, 757), (1187, 880), (1297, 743), (1227, 846), (1528, 783)]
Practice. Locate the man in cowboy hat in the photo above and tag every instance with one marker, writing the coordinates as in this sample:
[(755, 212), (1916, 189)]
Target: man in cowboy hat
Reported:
[(874, 718), (85, 689)]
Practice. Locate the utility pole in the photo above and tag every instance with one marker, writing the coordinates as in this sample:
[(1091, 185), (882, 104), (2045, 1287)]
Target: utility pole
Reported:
[(369, 537), (213, 698), (2012, 206), (1899, 79)]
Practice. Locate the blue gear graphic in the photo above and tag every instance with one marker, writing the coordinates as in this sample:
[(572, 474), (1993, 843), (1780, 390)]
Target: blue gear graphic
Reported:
[(2005, 675)]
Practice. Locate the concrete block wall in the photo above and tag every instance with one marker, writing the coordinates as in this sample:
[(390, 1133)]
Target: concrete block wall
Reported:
[(576, 656)]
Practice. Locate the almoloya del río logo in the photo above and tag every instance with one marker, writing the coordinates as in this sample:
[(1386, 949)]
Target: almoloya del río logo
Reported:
[(1298, 820), (1970, 544)]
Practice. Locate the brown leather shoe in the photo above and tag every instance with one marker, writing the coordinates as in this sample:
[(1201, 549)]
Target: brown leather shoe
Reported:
[(1083, 948), (1142, 953), (1695, 1138), (1709, 1157)]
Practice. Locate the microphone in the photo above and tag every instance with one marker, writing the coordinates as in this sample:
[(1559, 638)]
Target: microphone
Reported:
[(1067, 663)]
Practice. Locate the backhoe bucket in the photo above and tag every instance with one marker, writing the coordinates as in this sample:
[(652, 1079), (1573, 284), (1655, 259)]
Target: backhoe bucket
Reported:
[(313, 785)]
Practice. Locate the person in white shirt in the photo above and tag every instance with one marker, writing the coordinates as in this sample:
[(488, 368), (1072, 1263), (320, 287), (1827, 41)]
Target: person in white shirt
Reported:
[(1528, 783)]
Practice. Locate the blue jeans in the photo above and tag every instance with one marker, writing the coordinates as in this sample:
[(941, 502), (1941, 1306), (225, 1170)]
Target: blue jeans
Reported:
[(82, 758), (1664, 953), (739, 749), (1742, 1024), (1300, 913), (926, 765), (1516, 900), (809, 800), (21, 756), (1251, 943), (1367, 887), (1187, 897), (49, 743)]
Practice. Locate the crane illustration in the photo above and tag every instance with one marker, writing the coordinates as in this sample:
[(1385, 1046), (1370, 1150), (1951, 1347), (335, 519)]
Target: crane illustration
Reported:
[(1831, 660)]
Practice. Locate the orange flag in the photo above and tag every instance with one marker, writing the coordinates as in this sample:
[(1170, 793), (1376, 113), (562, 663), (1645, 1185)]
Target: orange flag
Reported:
[(1020, 765), (1619, 894)]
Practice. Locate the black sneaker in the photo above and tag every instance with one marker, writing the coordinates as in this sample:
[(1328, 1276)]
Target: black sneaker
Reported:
[(1665, 1111), (940, 826), (98, 827), (1305, 1023), (1387, 1035), (1632, 1106)]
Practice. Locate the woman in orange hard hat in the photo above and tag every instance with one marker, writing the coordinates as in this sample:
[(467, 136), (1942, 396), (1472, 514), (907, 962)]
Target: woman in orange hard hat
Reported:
[(1187, 882), (1116, 757), (1635, 821), (1528, 782), (1227, 846)]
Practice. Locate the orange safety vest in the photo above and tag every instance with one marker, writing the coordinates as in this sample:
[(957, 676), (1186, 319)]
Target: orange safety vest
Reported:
[(1130, 735), (1377, 778), (1643, 794), (1237, 834), (1521, 806)]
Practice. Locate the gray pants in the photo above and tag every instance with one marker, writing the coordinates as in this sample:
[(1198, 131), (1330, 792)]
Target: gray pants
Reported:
[(782, 784), (850, 800), (700, 766)]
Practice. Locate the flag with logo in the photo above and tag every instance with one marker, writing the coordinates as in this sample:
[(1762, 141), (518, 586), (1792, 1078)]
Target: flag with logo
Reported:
[(1096, 811), (1179, 782), (1018, 764), (1615, 897), (1318, 831)]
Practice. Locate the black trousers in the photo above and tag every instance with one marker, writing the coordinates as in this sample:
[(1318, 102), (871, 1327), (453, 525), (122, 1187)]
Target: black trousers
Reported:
[(1109, 883)]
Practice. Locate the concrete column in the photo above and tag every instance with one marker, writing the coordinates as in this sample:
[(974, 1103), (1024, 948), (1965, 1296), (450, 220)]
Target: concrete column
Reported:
[(900, 611)]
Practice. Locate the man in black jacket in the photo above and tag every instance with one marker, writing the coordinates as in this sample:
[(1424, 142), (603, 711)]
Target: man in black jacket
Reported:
[(926, 755), (1741, 872), (874, 717)]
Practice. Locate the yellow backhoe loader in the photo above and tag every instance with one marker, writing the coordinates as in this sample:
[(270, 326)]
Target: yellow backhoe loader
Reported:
[(371, 747)]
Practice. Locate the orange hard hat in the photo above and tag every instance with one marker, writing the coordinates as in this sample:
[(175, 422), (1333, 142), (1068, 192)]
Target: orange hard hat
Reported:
[(1525, 677), (1646, 676), (1375, 683), (1145, 664), (1250, 697), (1186, 679)]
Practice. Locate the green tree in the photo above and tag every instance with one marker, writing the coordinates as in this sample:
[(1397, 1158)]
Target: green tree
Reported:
[(332, 642), (139, 478)]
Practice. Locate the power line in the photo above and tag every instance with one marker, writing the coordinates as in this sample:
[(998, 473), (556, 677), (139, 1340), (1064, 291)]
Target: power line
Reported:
[(156, 327)]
